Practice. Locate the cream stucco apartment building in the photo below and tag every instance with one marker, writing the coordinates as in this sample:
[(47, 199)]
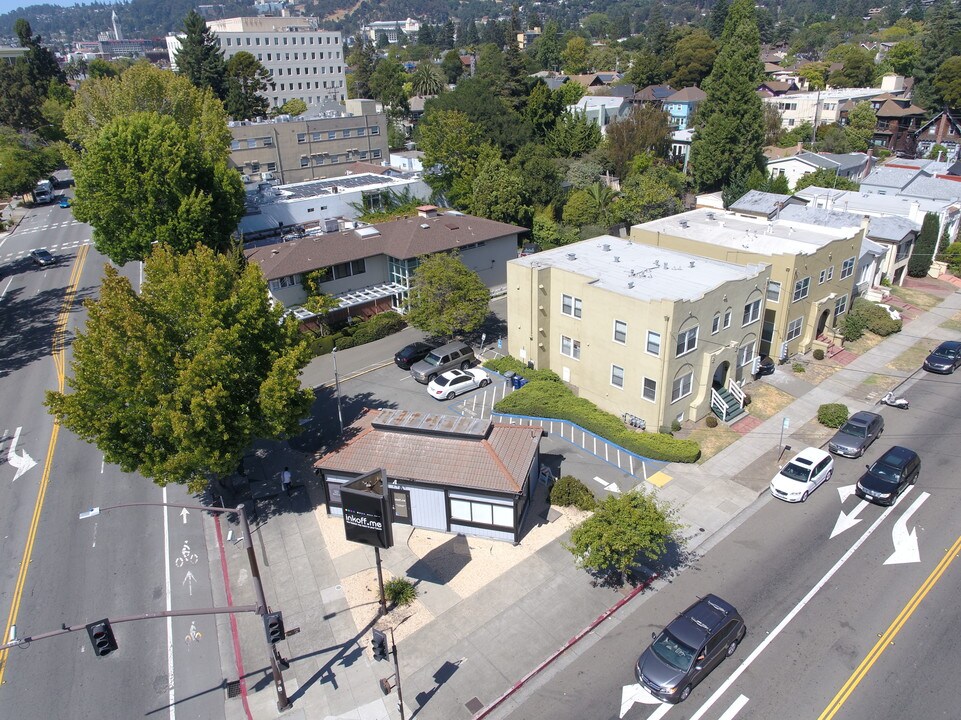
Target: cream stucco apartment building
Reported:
[(639, 330), (812, 267)]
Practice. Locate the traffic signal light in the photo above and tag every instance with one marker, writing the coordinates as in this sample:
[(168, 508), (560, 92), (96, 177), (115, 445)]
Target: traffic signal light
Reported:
[(274, 627), (379, 645), (101, 635)]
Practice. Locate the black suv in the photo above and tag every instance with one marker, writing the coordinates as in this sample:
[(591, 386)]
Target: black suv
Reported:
[(689, 648), (889, 476)]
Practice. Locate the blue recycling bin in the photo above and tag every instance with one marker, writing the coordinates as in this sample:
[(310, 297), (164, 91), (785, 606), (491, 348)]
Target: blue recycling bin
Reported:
[(518, 382)]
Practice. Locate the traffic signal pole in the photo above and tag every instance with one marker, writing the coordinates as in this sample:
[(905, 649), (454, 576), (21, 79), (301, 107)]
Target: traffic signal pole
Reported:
[(400, 695)]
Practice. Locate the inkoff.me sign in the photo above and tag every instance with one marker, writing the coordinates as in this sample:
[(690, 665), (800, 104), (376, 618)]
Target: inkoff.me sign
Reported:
[(366, 512)]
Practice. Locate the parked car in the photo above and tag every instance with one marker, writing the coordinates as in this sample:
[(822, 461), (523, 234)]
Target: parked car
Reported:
[(447, 357), (689, 648), (452, 383), (801, 477), (42, 257), (945, 358), (409, 354), (765, 366), (857, 434), (64, 202), (889, 476)]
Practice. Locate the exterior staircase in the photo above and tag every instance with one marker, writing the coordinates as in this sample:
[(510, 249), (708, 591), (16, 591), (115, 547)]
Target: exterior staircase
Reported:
[(726, 405)]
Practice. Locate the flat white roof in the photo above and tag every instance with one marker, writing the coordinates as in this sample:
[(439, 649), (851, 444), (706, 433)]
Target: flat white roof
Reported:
[(751, 234), (641, 272), (869, 203)]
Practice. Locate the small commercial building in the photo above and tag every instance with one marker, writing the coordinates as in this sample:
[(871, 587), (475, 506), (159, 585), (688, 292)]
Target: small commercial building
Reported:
[(452, 474)]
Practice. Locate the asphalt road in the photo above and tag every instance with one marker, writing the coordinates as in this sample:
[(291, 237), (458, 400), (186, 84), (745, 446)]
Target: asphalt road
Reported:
[(837, 627), (111, 565)]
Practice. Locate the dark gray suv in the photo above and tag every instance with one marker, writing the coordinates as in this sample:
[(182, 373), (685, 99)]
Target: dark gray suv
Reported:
[(447, 357), (689, 648)]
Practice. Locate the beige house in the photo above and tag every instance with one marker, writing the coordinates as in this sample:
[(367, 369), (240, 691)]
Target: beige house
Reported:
[(285, 150), (812, 266), (642, 332)]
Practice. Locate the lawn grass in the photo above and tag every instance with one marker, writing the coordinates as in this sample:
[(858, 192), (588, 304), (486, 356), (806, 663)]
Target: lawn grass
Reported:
[(864, 343), (953, 323), (712, 440), (767, 400), (912, 358), (919, 299)]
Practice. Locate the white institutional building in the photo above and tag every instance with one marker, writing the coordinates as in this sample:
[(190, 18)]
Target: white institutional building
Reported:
[(304, 61)]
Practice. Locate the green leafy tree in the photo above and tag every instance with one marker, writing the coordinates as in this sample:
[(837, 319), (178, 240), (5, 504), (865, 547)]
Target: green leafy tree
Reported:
[(496, 120), (547, 47), (387, 86), (24, 160), (584, 172), (731, 133), (293, 107), (199, 58), (176, 382), (825, 177), (581, 209), (858, 69), (542, 109), (773, 129), (693, 58), (450, 143), (99, 68), (715, 23), (903, 57), (624, 530), (541, 174), (941, 41), (816, 74), (598, 26), (923, 253), (446, 298), (452, 67), (471, 35), (144, 179), (545, 231), (651, 191), (947, 82), (646, 69), (573, 135), (574, 56), (428, 79), (25, 83), (833, 138), (498, 192), (247, 80), (569, 93), (646, 129), (861, 125)]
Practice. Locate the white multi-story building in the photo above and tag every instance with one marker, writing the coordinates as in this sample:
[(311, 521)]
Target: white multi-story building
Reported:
[(305, 62), (392, 29), (823, 107)]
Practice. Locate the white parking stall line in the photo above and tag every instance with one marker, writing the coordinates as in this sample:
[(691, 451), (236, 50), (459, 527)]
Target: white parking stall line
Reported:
[(735, 708), (662, 710)]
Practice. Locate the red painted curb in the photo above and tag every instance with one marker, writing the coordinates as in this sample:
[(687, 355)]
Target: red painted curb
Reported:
[(233, 620), (565, 647)]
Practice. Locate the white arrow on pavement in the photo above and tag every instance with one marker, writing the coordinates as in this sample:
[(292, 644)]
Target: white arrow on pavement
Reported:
[(906, 543), (636, 693), (184, 513), (21, 462), (846, 491), (189, 581), (846, 522), (610, 487)]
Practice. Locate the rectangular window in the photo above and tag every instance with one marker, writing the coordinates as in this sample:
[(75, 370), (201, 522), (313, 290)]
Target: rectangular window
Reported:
[(304, 161), (361, 132), (376, 153), (346, 133), (570, 347), (801, 288), (752, 312), (481, 513), (649, 391), (301, 137), (653, 342), (773, 291), (317, 136), (682, 387), (620, 331), (375, 130), (825, 275), (727, 319), (332, 135), (745, 354), (794, 329), (271, 166), (570, 306), (686, 341), (617, 376), (847, 268), (268, 141), (840, 305), (716, 324)]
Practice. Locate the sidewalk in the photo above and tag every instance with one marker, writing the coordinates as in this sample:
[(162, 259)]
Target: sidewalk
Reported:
[(482, 635)]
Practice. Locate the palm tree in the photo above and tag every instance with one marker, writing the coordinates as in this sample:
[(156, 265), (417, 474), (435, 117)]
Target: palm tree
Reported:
[(428, 79), (603, 196)]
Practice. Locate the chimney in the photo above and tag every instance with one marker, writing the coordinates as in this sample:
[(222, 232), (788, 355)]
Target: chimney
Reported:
[(867, 162), (427, 211)]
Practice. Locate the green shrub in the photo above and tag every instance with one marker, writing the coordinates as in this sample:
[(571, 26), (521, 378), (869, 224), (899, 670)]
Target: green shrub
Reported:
[(818, 354), (833, 415), (710, 421), (853, 326), (322, 345), (379, 326), (400, 591), (569, 491), (798, 367), (865, 315), (511, 364), (675, 425), (551, 399)]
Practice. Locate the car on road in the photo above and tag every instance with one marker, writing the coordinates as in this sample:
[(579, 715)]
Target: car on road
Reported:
[(945, 358), (447, 357), (409, 354), (857, 434), (64, 202), (42, 257), (802, 475), (689, 648), (452, 383), (889, 476)]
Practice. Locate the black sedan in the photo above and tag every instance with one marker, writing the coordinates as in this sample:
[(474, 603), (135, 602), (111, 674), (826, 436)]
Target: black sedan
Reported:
[(889, 476), (945, 358), (415, 352)]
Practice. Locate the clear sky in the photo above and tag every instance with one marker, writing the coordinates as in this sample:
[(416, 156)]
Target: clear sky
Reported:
[(11, 5)]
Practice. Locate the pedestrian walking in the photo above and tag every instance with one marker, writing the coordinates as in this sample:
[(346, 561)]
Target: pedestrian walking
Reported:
[(285, 479)]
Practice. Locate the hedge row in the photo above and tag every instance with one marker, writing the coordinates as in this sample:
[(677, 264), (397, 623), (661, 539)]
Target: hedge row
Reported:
[(377, 327), (510, 364), (865, 315), (551, 399)]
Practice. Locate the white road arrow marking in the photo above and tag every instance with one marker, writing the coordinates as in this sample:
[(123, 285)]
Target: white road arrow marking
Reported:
[(845, 491), (636, 693), (21, 462), (906, 543), (610, 487), (184, 513), (846, 522), (189, 581)]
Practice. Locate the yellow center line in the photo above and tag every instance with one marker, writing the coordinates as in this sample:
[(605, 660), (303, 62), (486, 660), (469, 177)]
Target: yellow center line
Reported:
[(887, 638), (57, 349)]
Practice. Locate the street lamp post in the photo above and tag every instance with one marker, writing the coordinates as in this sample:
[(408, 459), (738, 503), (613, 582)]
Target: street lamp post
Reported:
[(283, 703), (340, 417)]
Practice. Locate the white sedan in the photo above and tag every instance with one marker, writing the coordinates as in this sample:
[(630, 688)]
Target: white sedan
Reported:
[(448, 385), (800, 477)]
